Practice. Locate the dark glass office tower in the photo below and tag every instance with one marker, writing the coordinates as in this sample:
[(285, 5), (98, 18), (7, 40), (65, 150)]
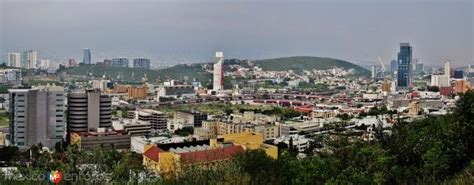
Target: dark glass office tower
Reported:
[(404, 65), (87, 56)]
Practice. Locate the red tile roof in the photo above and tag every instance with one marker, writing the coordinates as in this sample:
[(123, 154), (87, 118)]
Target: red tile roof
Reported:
[(153, 153), (211, 155)]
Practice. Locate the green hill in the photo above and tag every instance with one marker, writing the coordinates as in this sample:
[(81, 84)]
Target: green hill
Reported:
[(196, 70), (300, 63), (135, 74)]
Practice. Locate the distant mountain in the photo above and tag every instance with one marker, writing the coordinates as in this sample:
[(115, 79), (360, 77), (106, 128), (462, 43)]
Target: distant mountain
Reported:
[(300, 63)]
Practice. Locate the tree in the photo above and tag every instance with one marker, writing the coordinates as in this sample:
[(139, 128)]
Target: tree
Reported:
[(185, 131)]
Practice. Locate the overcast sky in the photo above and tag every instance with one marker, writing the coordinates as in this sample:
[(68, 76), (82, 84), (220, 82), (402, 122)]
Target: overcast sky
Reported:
[(177, 31)]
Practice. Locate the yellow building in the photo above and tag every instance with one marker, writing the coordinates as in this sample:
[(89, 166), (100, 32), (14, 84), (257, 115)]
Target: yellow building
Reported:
[(169, 158), (252, 141)]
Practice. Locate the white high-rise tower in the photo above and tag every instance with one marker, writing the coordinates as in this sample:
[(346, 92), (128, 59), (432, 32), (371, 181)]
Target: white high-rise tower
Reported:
[(14, 60), (218, 83), (447, 69)]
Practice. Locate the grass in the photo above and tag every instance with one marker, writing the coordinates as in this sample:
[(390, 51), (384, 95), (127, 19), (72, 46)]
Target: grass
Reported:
[(3, 119)]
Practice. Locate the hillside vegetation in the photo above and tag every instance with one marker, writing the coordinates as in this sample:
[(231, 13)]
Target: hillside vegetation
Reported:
[(306, 63), (196, 70), (133, 74)]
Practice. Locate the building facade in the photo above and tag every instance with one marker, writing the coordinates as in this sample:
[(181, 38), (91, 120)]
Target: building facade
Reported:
[(447, 69), (14, 60), (10, 76), (88, 111), (120, 62), (141, 63), (87, 56), (218, 83), (191, 117), (157, 119), (404, 66), (29, 59), (37, 116), (139, 92), (176, 91)]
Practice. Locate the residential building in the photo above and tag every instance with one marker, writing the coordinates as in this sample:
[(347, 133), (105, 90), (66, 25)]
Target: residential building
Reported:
[(88, 111), (44, 64), (120, 62), (87, 56), (268, 131), (461, 86), (36, 116), (404, 66), (218, 82), (141, 63), (447, 69), (29, 59), (14, 60), (440, 80)]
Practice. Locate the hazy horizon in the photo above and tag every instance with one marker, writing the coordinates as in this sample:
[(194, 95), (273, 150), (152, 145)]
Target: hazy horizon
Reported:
[(185, 31)]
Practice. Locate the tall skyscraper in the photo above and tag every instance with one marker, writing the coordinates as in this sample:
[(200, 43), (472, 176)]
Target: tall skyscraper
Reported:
[(88, 111), (29, 59), (87, 56), (14, 60), (447, 68), (141, 63), (404, 65), (218, 83), (36, 116)]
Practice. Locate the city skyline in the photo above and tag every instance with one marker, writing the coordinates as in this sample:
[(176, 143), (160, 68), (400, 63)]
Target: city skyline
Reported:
[(187, 32)]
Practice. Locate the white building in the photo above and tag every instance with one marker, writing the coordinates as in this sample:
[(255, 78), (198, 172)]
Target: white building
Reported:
[(37, 116), (100, 84), (447, 69), (175, 91), (440, 80), (218, 83), (29, 59), (14, 60), (132, 127), (300, 143), (44, 64)]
